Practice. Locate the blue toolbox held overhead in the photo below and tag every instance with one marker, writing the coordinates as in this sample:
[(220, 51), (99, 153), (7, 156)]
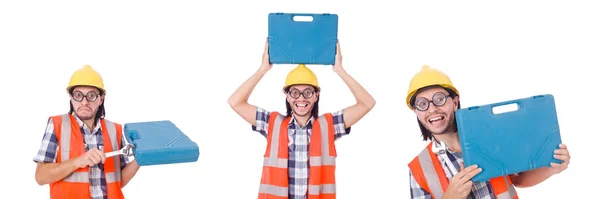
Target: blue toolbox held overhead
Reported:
[(302, 38), (503, 143), (160, 142)]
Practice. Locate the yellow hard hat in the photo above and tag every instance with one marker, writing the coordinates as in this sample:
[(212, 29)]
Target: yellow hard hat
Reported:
[(428, 77), (86, 76), (301, 75)]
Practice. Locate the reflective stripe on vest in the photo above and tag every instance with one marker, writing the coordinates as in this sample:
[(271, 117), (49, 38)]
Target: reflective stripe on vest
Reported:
[(71, 145), (274, 181), (429, 174)]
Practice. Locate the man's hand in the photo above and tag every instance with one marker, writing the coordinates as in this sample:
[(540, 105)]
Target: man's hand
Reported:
[(90, 158), (562, 154), (266, 64), (460, 185), (337, 67)]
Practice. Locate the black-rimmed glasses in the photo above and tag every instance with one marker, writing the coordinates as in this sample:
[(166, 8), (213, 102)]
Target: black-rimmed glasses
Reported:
[(295, 93), (90, 96), (438, 99)]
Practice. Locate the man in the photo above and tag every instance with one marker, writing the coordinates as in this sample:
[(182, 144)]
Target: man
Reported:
[(300, 157), (445, 177), (71, 158)]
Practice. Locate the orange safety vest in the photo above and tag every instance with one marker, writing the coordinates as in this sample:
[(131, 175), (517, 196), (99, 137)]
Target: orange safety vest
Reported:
[(429, 174), (71, 145), (322, 154)]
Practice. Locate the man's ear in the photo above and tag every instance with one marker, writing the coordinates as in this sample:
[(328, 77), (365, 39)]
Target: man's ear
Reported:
[(455, 101)]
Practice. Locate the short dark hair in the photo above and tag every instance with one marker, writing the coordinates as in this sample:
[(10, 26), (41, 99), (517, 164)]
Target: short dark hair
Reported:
[(101, 113), (315, 109), (426, 134)]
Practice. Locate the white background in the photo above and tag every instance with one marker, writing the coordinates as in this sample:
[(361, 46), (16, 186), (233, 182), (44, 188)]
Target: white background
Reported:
[(181, 60)]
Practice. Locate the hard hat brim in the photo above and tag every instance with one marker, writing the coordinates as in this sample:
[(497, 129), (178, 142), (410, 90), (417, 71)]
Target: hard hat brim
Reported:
[(287, 86), (88, 85)]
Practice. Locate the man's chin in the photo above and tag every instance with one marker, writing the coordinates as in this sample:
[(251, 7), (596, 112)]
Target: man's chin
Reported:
[(439, 131), (301, 114), (85, 116)]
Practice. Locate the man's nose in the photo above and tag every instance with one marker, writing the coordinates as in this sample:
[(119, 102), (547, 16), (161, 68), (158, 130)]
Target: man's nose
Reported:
[(432, 107), (301, 97), (85, 101)]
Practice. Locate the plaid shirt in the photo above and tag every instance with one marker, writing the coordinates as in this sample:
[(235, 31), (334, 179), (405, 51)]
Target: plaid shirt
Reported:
[(48, 154), (451, 164), (299, 137)]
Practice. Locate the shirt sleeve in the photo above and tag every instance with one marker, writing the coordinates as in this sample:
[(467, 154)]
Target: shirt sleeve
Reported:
[(262, 121), (47, 150), (339, 126), (416, 192)]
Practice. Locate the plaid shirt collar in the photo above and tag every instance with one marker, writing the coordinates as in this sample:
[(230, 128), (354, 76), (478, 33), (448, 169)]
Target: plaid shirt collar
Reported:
[(293, 123)]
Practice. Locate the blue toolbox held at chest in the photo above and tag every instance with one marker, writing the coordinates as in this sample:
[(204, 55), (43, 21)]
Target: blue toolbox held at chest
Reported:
[(509, 142), (302, 38), (160, 142)]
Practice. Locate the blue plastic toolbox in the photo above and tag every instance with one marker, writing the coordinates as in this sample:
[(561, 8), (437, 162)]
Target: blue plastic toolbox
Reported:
[(160, 142), (293, 40), (503, 143)]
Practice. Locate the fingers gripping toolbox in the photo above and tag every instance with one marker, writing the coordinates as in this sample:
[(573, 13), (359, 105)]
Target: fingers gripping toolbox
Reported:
[(160, 142)]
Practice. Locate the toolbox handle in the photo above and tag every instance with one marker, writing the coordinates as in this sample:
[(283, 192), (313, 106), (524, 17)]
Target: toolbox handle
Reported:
[(506, 106), (518, 104), (303, 18)]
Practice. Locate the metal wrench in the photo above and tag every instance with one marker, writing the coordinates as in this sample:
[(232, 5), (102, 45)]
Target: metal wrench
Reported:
[(127, 150)]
